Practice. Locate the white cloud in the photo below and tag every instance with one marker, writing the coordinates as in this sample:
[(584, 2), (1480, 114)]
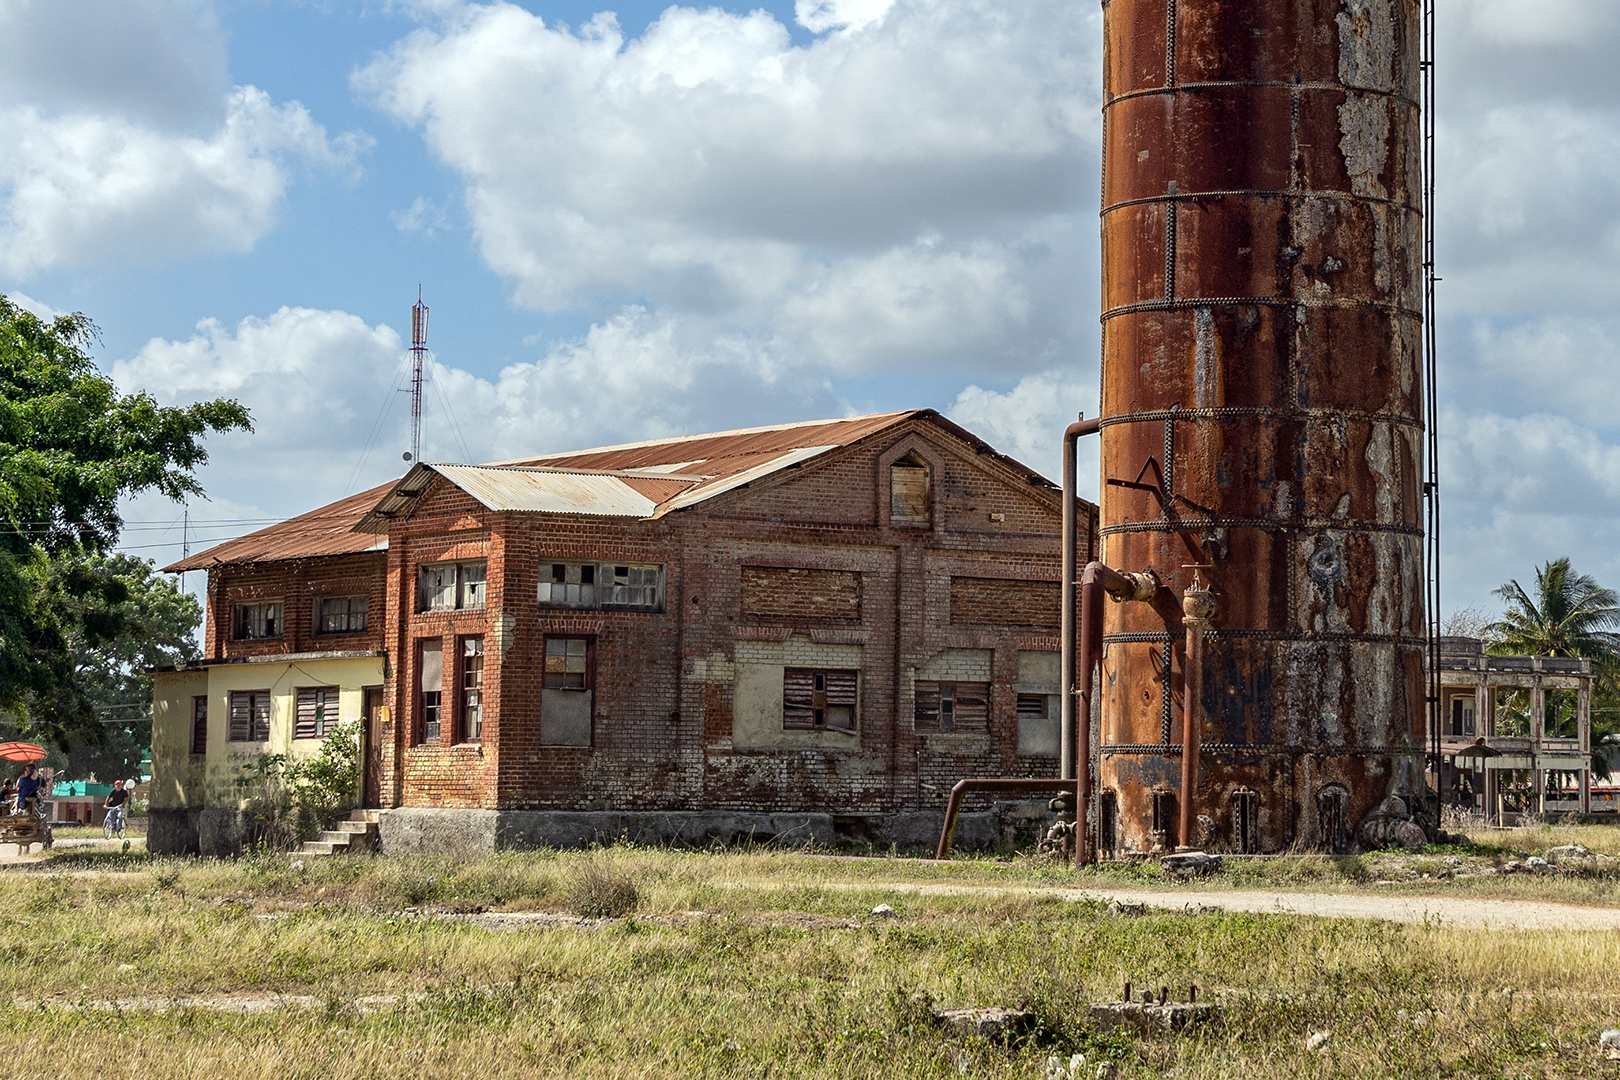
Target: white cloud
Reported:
[(1518, 491), (38, 308), (121, 139), (85, 188), (1027, 422), (317, 383), (857, 202)]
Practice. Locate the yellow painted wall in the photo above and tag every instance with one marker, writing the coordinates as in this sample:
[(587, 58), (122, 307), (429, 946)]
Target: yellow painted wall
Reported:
[(182, 779)]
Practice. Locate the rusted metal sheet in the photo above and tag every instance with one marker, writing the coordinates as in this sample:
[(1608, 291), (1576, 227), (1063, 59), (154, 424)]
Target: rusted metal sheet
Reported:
[(326, 531), (1261, 405)]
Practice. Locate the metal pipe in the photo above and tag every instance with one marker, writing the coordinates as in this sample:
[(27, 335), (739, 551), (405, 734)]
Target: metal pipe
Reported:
[(1192, 713), (1071, 565), (1004, 786)]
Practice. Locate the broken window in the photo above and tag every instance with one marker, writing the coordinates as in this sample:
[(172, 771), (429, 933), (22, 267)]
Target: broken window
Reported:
[(568, 664), (566, 702), (1246, 822), (199, 725), (472, 689), (255, 621), (636, 586), (341, 614), (430, 684), (1512, 712), (909, 500), (452, 586), (250, 716), (818, 699), (952, 706), (317, 712), (1462, 716)]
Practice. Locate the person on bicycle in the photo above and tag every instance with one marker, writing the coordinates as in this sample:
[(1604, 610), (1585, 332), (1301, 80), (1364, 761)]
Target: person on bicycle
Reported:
[(115, 805), (27, 790)]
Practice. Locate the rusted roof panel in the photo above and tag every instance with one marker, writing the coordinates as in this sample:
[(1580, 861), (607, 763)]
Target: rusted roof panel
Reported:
[(740, 449), (326, 531), (548, 491), (720, 484)]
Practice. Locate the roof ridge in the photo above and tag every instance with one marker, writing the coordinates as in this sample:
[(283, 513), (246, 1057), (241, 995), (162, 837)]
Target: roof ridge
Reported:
[(676, 439)]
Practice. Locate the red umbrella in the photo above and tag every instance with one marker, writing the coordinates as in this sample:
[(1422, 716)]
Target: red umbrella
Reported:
[(21, 751)]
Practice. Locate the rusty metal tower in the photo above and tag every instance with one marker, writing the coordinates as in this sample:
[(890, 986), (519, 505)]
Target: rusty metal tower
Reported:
[(1263, 412)]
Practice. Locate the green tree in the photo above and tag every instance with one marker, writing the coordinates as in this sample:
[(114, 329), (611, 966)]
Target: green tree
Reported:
[(1567, 614), (70, 447), (156, 627)]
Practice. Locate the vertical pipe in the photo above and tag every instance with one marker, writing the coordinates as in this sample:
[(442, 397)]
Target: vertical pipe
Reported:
[(1192, 714), (1071, 575), (1090, 640)]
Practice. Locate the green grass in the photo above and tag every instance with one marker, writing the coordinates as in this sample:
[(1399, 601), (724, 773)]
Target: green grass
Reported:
[(755, 963)]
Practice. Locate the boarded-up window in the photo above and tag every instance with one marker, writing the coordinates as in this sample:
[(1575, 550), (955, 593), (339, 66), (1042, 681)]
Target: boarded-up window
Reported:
[(908, 492), (948, 706), (250, 716), (566, 702), (199, 725), (1004, 602), (430, 673), (317, 712), (795, 593), (819, 698)]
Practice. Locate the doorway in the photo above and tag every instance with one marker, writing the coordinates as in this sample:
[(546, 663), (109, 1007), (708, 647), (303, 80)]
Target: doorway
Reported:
[(371, 707)]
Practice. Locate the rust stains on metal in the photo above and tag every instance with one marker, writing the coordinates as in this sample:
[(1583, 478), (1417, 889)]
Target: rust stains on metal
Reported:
[(1261, 402), (326, 531)]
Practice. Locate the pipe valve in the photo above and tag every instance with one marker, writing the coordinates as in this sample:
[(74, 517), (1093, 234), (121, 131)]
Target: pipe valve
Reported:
[(1197, 605)]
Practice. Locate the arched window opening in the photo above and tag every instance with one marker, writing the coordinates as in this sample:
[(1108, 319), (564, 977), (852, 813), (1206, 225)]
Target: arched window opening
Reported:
[(1246, 821), (1332, 812)]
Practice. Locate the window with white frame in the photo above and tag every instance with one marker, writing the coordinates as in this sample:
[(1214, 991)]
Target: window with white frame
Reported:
[(257, 620), (630, 586), (452, 586)]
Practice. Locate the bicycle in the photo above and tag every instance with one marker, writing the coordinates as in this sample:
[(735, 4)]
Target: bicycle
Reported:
[(112, 827)]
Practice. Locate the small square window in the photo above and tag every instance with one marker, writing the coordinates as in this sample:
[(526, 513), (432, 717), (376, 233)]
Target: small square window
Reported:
[(317, 712)]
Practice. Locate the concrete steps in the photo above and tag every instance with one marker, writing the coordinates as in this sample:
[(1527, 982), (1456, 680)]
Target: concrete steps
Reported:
[(357, 833)]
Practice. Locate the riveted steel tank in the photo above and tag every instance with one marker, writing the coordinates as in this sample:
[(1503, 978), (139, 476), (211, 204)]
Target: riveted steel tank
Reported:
[(1262, 413)]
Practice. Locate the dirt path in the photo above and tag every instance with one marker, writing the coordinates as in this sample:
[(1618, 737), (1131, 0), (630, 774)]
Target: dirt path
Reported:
[(1449, 911)]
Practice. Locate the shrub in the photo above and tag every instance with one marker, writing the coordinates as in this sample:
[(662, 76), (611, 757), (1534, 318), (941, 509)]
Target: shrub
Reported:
[(600, 892), (290, 801)]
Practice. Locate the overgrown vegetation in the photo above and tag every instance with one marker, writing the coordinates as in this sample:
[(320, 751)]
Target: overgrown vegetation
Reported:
[(747, 964), (601, 892), (288, 801)]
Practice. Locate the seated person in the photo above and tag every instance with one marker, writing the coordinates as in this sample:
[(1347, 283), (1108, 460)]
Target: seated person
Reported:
[(28, 790), (117, 800), (8, 792)]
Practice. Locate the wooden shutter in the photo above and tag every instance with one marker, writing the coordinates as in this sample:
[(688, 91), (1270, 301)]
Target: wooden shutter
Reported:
[(972, 706), (241, 724), (199, 725), (841, 686), (304, 725), (798, 698), (926, 713)]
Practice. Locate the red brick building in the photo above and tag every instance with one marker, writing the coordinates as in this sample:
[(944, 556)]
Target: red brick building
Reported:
[(792, 631)]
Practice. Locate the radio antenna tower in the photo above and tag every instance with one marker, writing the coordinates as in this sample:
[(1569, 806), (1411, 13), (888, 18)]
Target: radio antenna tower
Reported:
[(419, 324)]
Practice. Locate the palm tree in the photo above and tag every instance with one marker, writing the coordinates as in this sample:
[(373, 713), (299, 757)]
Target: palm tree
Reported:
[(1569, 615)]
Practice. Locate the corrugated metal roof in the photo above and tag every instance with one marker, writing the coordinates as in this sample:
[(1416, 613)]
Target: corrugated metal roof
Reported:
[(644, 479), (326, 531), (549, 491)]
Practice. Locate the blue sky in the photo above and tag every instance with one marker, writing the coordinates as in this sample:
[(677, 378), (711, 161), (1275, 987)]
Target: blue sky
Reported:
[(676, 219)]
